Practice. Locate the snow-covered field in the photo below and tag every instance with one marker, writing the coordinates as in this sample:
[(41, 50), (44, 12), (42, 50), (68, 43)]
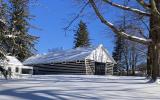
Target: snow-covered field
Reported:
[(79, 87)]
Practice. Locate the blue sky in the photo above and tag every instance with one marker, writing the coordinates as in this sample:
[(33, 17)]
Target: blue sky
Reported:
[(53, 15)]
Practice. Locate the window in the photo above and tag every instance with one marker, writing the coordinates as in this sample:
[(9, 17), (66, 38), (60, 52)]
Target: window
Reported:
[(17, 69), (64, 62), (26, 71), (9, 69)]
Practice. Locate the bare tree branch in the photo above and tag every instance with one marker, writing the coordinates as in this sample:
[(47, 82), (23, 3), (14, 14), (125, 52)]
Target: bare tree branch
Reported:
[(115, 30), (143, 4), (145, 24), (77, 16), (142, 34), (127, 8)]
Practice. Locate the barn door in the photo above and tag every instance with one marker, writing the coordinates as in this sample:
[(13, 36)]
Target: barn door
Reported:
[(99, 68)]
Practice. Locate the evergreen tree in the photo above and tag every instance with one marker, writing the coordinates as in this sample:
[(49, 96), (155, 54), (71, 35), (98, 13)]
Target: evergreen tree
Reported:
[(3, 36), (82, 36), (23, 45), (3, 28), (117, 54), (119, 46)]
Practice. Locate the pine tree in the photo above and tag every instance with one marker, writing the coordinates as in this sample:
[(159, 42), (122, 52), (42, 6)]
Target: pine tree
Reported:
[(3, 28), (82, 36), (117, 53), (23, 45), (3, 36)]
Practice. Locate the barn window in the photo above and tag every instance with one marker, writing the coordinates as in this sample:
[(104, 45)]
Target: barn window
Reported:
[(17, 69), (26, 71), (64, 62), (9, 69), (78, 61)]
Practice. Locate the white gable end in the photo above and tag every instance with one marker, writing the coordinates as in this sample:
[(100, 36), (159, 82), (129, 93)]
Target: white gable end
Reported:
[(100, 55), (13, 61)]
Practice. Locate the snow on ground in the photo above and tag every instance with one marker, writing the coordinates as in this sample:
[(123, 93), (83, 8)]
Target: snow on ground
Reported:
[(79, 87)]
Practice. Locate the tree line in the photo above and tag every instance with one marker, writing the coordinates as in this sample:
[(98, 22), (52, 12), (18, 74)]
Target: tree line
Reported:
[(149, 9), (130, 56), (148, 14)]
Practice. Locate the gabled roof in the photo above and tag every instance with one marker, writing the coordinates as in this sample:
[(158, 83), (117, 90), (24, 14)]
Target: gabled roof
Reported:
[(60, 56), (10, 60), (13, 61), (110, 57)]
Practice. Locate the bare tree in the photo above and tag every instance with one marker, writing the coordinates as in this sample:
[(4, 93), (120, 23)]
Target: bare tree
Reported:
[(151, 10)]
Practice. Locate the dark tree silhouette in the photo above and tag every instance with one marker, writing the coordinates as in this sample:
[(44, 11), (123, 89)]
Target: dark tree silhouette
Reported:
[(81, 37)]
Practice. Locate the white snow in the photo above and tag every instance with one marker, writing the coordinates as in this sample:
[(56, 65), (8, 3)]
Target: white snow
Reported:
[(79, 87), (59, 56), (99, 54), (158, 81), (11, 36), (13, 61)]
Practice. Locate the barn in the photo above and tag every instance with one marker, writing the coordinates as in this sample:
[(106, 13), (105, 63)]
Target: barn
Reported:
[(79, 61)]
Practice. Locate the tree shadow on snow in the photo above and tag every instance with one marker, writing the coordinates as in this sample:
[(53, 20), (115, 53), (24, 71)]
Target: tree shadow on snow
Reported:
[(75, 90), (20, 93)]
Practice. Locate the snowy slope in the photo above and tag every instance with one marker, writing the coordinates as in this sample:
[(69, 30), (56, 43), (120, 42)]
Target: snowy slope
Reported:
[(77, 87)]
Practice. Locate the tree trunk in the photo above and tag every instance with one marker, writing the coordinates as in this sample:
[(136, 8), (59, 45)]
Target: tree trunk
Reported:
[(133, 71), (126, 61), (134, 59), (149, 61), (156, 61), (155, 36)]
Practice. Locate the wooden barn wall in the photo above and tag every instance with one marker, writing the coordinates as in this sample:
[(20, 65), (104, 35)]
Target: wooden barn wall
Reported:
[(90, 67), (109, 68), (86, 67), (77, 68)]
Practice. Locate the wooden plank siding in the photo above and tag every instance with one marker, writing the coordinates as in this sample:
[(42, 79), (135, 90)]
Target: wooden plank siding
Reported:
[(86, 67), (77, 67), (90, 67), (109, 68)]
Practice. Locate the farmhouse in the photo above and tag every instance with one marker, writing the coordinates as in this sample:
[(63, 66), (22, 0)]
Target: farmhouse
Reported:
[(15, 67), (82, 60)]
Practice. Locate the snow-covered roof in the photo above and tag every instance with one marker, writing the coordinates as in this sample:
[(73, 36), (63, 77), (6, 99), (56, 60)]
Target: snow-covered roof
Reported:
[(61, 56), (13, 61)]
